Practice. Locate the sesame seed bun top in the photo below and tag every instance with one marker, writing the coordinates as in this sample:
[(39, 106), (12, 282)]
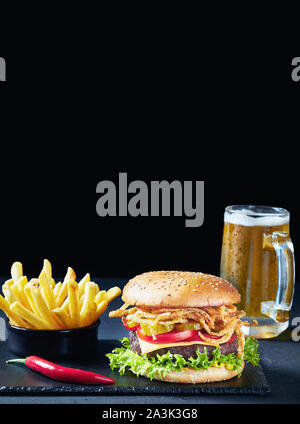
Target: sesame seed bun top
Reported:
[(179, 289)]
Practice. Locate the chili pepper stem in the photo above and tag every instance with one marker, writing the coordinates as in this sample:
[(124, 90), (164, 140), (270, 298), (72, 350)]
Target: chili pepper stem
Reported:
[(21, 361)]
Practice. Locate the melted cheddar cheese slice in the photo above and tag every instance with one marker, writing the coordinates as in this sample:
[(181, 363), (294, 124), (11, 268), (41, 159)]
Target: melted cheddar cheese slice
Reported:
[(147, 347)]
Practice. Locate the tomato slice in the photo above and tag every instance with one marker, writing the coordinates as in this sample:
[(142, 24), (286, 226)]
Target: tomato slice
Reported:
[(170, 337), (178, 336)]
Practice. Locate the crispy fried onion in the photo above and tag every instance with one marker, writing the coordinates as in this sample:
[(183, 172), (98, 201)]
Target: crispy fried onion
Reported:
[(221, 321)]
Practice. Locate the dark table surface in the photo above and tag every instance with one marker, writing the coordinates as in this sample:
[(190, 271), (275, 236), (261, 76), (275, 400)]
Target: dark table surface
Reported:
[(280, 361)]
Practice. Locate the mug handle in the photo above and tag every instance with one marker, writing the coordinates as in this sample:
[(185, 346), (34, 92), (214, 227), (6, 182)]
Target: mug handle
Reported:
[(284, 249)]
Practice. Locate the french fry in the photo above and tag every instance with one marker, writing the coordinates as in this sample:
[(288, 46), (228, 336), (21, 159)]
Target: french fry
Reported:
[(16, 271), (82, 283), (64, 317), (59, 322), (13, 317), (41, 306), (27, 315), (22, 281), (89, 292), (100, 296), (89, 307), (70, 275), (65, 305), (62, 294), (34, 282), (73, 302), (90, 316), (47, 268), (18, 293), (57, 288), (8, 294), (96, 287), (27, 291), (8, 283), (27, 324), (112, 293), (46, 290), (101, 308)]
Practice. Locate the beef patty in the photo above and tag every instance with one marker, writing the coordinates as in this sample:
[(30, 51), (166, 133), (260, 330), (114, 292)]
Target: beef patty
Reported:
[(185, 351)]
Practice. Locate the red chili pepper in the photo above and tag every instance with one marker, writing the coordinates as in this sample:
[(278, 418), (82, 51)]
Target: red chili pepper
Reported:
[(60, 373)]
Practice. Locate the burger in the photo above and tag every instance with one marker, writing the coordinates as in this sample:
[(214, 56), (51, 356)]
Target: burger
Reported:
[(183, 327)]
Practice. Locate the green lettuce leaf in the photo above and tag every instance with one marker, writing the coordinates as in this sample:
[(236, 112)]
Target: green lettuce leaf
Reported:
[(124, 358), (251, 353)]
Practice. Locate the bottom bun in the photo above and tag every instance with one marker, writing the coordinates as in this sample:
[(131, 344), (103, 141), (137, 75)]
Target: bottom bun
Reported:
[(189, 375)]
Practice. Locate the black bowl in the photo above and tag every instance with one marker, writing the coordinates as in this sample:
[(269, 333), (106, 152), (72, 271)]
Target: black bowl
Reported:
[(53, 344)]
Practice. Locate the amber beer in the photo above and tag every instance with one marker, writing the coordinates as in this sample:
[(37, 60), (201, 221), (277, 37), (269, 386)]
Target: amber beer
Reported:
[(255, 240)]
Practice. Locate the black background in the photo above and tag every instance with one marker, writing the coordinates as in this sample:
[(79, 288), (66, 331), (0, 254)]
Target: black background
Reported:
[(174, 92)]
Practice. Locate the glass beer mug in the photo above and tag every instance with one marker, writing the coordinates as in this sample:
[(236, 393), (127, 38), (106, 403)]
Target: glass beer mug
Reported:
[(258, 259)]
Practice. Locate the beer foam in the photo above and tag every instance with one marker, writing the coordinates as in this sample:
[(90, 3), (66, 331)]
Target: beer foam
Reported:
[(250, 219)]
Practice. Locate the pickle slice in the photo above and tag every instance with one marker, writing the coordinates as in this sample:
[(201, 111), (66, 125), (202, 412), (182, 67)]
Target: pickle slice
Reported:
[(188, 326), (156, 329), (130, 324)]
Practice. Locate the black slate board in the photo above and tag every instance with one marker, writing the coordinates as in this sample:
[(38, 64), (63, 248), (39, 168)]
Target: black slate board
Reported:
[(19, 380)]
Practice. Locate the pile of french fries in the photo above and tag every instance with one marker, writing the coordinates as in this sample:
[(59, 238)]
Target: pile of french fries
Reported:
[(43, 304)]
